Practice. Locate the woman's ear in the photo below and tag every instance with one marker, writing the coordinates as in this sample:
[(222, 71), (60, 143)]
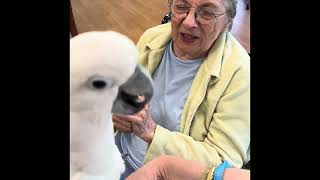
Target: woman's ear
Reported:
[(228, 25)]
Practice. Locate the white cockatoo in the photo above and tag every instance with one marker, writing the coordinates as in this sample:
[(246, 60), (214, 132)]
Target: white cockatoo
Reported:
[(104, 79)]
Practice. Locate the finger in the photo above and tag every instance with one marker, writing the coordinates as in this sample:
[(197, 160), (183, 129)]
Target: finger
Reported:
[(124, 118), (147, 107), (132, 118), (122, 128), (124, 124), (136, 119), (119, 117), (122, 121), (144, 111)]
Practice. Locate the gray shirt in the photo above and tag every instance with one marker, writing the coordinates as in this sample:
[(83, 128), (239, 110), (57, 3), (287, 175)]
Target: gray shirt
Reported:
[(172, 81)]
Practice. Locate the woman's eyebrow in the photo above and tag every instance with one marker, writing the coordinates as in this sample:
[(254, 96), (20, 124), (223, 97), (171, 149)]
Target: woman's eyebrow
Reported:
[(210, 4), (183, 1)]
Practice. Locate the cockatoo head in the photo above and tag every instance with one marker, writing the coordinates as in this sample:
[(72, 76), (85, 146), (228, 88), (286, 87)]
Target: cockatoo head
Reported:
[(104, 75)]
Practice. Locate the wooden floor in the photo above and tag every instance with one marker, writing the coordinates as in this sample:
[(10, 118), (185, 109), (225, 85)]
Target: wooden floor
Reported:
[(133, 17)]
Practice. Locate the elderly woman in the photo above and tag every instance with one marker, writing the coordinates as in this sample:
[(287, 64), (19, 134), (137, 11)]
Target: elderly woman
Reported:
[(201, 105)]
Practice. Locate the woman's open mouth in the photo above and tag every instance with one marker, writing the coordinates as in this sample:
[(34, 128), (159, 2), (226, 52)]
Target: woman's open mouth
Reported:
[(188, 38)]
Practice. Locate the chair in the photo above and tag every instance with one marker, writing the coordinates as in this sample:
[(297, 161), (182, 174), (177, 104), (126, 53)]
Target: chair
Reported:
[(246, 166), (247, 4), (73, 27), (166, 18)]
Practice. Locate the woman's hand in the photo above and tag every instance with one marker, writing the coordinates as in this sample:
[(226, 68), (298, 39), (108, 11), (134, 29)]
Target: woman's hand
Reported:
[(122, 124), (153, 170), (169, 167), (141, 124)]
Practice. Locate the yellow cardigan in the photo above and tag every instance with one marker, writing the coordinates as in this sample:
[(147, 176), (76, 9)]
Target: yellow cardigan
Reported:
[(215, 121)]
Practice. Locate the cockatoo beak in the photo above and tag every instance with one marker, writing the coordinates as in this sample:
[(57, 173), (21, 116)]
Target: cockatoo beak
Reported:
[(134, 94)]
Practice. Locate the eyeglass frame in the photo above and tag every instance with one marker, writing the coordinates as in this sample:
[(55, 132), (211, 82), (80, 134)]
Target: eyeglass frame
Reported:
[(216, 16)]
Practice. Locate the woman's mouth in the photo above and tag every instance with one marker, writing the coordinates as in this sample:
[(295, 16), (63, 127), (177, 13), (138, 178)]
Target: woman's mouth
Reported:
[(188, 38)]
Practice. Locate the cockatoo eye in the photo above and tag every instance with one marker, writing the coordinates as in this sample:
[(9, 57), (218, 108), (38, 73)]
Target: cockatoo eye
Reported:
[(100, 82)]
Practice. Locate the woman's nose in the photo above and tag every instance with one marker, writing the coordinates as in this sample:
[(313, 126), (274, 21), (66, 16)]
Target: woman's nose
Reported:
[(190, 19)]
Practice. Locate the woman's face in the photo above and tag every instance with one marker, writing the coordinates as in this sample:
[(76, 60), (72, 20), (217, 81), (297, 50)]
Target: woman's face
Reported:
[(190, 38)]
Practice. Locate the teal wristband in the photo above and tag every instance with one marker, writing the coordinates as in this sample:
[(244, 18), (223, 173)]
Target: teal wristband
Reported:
[(218, 173)]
